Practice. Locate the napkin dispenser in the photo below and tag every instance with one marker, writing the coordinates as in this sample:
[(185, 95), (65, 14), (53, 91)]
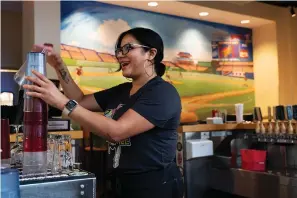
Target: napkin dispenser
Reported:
[(198, 148)]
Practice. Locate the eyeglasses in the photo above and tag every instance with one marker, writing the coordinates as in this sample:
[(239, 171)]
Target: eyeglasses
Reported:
[(126, 48)]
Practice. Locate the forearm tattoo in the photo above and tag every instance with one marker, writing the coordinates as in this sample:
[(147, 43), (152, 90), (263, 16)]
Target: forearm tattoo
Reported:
[(64, 75)]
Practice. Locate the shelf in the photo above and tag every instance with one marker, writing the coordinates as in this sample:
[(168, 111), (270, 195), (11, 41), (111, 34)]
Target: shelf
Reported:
[(215, 127)]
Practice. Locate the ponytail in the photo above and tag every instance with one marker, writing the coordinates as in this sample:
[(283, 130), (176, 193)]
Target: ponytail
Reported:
[(160, 69)]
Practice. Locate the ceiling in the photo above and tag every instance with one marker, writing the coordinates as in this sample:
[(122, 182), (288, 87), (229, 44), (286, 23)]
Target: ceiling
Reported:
[(184, 10), (192, 11), (281, 3)]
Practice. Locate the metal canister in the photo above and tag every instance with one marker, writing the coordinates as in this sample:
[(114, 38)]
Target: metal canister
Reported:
[(36, 61)]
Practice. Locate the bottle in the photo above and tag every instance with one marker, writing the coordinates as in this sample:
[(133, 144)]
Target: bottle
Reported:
[(35, 122)]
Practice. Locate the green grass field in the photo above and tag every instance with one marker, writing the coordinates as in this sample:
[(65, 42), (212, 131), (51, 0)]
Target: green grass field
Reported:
[(191, 87), (190, 84), (71, 62), (102, 81), (247, 99)]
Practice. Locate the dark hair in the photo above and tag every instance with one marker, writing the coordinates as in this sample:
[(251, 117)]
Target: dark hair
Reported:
[(148, 38)]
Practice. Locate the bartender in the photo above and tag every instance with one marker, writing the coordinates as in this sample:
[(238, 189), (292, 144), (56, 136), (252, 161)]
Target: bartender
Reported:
[(140, 119)]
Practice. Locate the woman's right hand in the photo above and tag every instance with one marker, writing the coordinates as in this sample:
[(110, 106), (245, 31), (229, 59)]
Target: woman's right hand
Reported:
[(53, 58)]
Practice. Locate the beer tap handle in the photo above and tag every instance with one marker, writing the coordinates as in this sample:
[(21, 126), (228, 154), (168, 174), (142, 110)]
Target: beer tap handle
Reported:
[(270, 128), (281, 114), (259, 115), (294, 108), (257, 119), (275, 117), (269, 114), (289, 117), (282, 118)]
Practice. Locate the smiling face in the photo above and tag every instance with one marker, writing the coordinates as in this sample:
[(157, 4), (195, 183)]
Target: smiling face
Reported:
[(132, 63)]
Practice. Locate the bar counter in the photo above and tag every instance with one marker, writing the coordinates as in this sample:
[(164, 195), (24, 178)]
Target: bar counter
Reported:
[(217, 176), (182, 129), (215, 127)]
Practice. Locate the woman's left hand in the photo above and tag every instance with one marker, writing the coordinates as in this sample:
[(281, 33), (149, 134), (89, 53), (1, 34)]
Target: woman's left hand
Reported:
[(46, 90)]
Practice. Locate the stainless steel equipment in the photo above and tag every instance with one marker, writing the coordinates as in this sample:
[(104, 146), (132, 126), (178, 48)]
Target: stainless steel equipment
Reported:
[(252, 184), (74, 184), (221, 173), (195, 170)]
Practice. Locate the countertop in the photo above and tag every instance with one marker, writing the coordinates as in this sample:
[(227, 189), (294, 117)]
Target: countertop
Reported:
[(215, 127), (182, 129)]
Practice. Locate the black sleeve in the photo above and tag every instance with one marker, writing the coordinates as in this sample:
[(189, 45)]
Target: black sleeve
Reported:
[(103, 97), (160, 105)]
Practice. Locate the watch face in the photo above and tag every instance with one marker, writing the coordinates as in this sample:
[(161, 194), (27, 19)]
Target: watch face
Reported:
[(71, 104)]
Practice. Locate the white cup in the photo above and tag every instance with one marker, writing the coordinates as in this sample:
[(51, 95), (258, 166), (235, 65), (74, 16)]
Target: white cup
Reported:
[(239, 112)]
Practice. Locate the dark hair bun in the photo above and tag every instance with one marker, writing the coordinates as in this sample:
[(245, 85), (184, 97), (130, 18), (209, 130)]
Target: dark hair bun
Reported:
[(160, 69)]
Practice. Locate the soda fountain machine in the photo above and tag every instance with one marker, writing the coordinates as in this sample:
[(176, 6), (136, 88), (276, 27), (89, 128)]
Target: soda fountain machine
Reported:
[(35, 177), (35, 122)]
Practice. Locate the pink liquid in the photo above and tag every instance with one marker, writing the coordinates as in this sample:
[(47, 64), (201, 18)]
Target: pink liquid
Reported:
[(35, 127)]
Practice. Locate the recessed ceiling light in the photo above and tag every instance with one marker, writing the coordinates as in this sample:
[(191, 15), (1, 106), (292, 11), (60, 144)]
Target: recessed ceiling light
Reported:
[(245, 21), (203, 13), (152, 4)]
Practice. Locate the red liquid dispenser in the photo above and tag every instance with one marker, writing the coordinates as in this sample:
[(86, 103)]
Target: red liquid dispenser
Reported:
[(35, 122)]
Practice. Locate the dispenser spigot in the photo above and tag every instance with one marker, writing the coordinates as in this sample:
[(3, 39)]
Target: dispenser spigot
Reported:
[(263, 130), (258, 117), (270, 127), (289, 117), (276, 121), (276, 127), (258, 127), (294, 109)]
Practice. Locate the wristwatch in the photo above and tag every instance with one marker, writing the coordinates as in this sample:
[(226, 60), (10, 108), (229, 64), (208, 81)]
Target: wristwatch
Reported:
[(70, 105)]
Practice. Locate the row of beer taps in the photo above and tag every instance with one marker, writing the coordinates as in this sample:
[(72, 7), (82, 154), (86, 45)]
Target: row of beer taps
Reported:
[(280, 120)]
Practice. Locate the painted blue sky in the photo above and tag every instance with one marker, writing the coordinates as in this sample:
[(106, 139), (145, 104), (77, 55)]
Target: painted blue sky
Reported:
[(96, 25)]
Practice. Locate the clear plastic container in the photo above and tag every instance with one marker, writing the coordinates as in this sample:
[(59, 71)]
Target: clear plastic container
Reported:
[(35, 122), (19, 76), (10, 184)]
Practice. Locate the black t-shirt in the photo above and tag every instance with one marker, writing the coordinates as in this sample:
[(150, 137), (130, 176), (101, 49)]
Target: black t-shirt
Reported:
[(159, 103)]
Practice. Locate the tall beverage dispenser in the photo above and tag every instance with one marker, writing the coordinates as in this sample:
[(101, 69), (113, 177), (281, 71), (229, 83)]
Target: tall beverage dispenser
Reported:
[(35, 122)]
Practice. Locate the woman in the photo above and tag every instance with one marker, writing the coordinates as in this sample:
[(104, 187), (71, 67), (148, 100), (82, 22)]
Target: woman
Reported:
[(141, 117)]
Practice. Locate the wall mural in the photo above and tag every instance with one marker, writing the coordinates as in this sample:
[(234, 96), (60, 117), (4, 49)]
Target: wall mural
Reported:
[(210, 64)]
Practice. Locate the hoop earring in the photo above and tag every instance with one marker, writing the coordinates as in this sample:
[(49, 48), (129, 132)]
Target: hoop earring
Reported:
[(146, 71)]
